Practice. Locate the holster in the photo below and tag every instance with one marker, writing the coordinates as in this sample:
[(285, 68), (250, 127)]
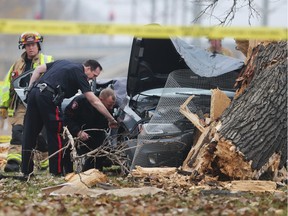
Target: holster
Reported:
[(59, 96)]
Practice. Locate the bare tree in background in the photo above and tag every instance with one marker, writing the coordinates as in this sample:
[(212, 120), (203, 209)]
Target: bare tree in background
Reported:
[(209, 7)]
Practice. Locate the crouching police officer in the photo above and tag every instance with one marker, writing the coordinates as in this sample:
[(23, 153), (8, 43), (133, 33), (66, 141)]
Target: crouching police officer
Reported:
[(80, 115), (49, 85)]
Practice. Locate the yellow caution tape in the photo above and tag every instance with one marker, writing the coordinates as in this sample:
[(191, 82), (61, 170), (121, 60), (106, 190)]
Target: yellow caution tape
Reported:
[(5, 139), (56, 27)]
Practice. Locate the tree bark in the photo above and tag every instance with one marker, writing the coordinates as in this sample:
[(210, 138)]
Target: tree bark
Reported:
[(256, 121)]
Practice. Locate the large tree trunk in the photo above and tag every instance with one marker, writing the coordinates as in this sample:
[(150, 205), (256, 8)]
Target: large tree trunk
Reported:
[(251, 136)]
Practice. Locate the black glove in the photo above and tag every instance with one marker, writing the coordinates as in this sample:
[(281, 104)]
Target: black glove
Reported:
[(26, 93)]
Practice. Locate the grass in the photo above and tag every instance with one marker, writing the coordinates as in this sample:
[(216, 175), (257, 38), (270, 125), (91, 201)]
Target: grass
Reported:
[(26, 198)]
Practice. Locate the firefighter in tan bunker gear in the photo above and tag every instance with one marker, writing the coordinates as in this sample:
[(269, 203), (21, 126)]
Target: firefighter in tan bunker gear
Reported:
[(10, 104)]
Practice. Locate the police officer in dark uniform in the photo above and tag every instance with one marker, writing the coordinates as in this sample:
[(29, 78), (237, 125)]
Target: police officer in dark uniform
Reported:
[(89, 125), (49, 85)]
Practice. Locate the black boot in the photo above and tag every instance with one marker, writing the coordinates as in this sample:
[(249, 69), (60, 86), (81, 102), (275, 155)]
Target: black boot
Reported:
[(12, 166)]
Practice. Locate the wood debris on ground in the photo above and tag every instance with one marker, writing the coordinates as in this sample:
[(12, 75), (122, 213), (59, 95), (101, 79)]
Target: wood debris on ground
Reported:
[(141, 172), (250, 185), (93, 183)]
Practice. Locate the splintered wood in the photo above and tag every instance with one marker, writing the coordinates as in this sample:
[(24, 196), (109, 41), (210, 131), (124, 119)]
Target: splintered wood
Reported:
[(250, 185), (89, 177), (232, 162), (219, 102), (191, 116), (197, 158), (201, 154), (82, 184), (164, 177), (78, 182), (146, 171)]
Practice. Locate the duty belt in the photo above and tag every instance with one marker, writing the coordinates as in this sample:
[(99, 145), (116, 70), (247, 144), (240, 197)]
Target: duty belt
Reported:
[(45, 87)]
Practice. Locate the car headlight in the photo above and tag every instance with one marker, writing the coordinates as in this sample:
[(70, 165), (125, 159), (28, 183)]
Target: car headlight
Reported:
[(152, 158)]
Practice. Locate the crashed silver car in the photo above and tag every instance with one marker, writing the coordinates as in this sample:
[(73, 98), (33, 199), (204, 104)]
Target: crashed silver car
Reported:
[(162, 74)]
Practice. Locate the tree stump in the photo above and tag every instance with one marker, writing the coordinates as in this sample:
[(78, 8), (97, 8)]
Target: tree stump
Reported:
[(251, 137)]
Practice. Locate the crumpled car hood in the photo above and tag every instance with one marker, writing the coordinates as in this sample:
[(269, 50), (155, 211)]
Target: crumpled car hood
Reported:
[(152, 60)]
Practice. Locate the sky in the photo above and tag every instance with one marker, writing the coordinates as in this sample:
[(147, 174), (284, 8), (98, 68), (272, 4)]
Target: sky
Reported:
[(180, 12)]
